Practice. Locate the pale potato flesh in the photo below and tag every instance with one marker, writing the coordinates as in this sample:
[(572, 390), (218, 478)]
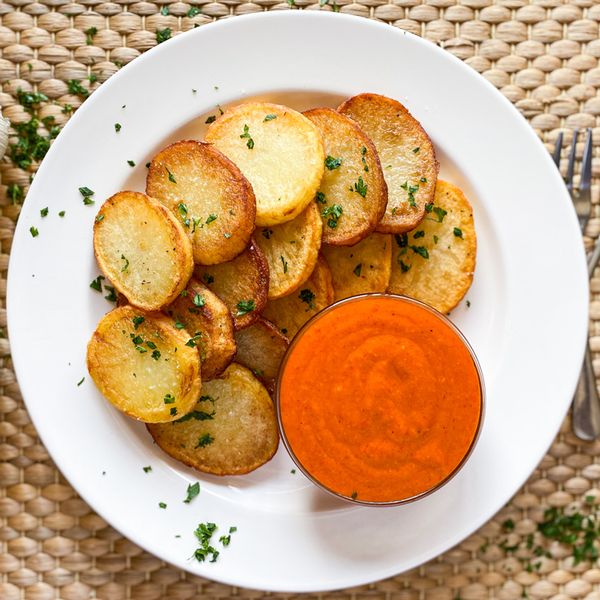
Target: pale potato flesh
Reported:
[(232, 430), (279, 151)]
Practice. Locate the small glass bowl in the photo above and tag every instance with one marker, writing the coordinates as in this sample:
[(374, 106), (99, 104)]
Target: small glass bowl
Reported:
[(465, 343)]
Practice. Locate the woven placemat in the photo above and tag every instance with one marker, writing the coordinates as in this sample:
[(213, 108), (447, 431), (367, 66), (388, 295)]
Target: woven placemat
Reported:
[(542, 55)]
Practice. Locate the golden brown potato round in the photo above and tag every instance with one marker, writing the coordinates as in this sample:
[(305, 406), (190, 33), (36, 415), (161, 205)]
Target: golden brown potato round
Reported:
[(407, 157), (143, 365), (435, 262), (208, 194), (291, 250), (280, 152), (231, 431), (142, 249), (200, 311), (242, 284), (291, 312), (363, 268), (261, 347), (352, 195)]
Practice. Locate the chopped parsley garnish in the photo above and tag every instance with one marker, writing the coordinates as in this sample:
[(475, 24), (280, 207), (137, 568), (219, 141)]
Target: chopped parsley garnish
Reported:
[(226, 235), (173, 411), (192, 491), (435, 239), (96, 284), (401, 239), (87, 194), (246, 136), (416, 150), (80, 381), (440, 213), (423, 180), (267, 233), (320, 198), (207, 278), (125, 264), (360, 187), (210, 119), (468, 304), (333, 163), (173, 180), (148, 165), (354, 495), (244, 307), (44, 212), (194, 10), (193, 341), (269, 118), (162, 35), (364, 160), (112, 294), (147, 469), (197, 415), (62, 214), (458, 232), (98, 217), (403, 266), (156, 354), (169, 399), (164, 11), (162, 505), (420, 250), (357, 269), (118, 127), (411, 191), (307, 296), (211, 218), (204, 533), (205, 440), (137, 321), (74, 86), (284, 263), (131, 163), (429, 207), (179, 325), (198, 300), (90, 32), (419, 234), (332, 214)]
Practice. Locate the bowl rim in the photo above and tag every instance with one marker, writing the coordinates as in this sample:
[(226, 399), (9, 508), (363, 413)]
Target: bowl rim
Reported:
[(400, 298)]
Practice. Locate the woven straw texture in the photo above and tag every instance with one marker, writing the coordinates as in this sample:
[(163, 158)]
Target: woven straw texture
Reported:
[(542, 55)]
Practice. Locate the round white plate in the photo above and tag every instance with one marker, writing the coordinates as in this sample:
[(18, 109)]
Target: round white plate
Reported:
[(527, 317)]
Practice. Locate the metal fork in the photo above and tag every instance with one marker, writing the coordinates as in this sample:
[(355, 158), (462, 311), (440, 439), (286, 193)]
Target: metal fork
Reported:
[(586, 403)]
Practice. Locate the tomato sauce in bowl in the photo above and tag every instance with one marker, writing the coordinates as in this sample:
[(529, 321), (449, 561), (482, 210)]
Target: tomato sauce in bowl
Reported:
[(380, 399)]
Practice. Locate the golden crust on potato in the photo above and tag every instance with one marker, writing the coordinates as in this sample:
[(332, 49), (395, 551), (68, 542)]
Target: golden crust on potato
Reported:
[(362, 268), (242, 284), (143, 365), (435, 262), (280, 152), (208, 194), (199, 310), (291, 250), (352, 195), (231, 431), (142, 249), (260, 348), (291, 312), (407, 157)]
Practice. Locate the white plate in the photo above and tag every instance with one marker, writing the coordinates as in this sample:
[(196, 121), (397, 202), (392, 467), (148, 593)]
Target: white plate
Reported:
[(527, 320)]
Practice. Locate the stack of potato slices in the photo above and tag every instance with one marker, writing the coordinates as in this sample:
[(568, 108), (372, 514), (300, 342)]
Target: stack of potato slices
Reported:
[(240, 239)]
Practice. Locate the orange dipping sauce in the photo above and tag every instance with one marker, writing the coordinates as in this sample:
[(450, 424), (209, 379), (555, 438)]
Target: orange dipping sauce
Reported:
[(380, 399)]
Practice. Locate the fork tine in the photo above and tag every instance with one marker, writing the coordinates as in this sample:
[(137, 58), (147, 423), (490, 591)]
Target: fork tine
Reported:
[(571, 165), (586, 165), (558, 149)]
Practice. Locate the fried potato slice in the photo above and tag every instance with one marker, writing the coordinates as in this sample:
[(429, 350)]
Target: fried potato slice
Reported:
[(353, 193), (242, 284), (201, 311), (142, 248), (407, 157), (231, 431), (208, 194), (280, 152), (363, 268), (261, 347), (291, 312), (143, 365), (291, 250), (435, 262)]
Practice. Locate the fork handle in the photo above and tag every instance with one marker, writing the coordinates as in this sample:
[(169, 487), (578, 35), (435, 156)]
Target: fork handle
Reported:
[(586, 404)]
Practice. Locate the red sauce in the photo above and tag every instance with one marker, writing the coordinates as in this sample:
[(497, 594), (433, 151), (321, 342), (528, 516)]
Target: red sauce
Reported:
[(379, 399)]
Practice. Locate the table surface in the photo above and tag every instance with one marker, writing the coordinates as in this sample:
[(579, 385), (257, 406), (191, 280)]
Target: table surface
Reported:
[(543, 55)]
